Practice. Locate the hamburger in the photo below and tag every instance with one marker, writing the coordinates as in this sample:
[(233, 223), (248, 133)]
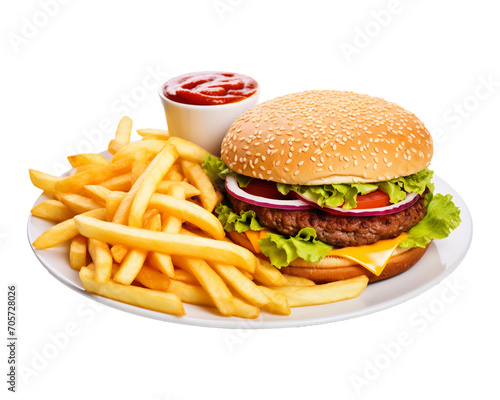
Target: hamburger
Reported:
[(330, 185)]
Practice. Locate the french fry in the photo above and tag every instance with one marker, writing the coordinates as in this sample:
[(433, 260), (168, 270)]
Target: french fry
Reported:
[(103, 261), (113, 201), (114, 146), (268, 275), (82, 159), (193, 294), (154, 300), (173, 224), (278, 303), (245, 310), (123, 211), (245, 287), (148, 147), (190, 212), (82, 168), (97, 193), (92, 176), (78, 252), (197, 177), (122, 135), (175, 174), (118, 183), (161, 262), (78, 204), (189, 190), (218, 195), (135, 258), (119, 252), (65, 230), (225, 240), (53, 210), (138, 168), (152, 220), (299, 296), (131, 265), (188, 150), (184, 210), (44, 181), (148, 182), (153, 279), (297, 281), (210, 281), (160, 134), (184, 276)]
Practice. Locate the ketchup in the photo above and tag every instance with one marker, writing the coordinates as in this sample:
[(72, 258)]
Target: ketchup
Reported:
[(209, 88)]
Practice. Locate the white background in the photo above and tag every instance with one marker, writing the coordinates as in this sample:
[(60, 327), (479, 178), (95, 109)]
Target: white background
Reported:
[(67, 70)]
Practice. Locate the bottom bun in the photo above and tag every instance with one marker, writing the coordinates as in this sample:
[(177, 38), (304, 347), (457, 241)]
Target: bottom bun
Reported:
[(331, 269), (397, 264)]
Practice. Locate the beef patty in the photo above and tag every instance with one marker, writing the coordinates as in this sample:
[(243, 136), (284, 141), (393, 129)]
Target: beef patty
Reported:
[(337, 230)]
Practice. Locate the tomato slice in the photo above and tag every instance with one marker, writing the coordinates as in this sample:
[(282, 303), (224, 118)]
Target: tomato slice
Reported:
[(265, 189), (375, 199)]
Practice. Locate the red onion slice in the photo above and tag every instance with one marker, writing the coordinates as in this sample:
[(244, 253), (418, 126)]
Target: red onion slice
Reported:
[(234, 190), (411, 199)]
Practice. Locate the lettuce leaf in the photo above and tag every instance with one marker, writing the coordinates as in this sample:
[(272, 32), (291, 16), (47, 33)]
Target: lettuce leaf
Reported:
[(282, 250), (397, 188), (217, 171), (441, 218), (344, 195), (247, 220), (330, 195)]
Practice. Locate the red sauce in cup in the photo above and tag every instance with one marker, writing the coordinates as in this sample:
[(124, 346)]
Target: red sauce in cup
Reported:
[(209, 88)]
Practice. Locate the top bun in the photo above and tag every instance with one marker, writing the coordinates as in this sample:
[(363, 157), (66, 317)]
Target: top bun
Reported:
[(324, 136)]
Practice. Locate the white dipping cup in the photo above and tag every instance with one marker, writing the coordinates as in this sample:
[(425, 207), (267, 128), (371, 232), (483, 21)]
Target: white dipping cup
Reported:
[(205, 126)]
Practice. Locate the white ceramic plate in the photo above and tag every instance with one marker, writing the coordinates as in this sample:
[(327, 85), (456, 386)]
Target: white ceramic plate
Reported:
[(440, 260)]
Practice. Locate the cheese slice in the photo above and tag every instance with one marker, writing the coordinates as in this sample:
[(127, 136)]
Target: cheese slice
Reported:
[(374, 257), (255, 236)]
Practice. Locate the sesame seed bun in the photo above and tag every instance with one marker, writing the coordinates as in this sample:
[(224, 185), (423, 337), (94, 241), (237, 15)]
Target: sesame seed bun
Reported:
[(326, 137)]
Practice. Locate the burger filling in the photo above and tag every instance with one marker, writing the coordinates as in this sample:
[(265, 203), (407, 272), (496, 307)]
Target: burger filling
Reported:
[(336, 230), (312, 233)]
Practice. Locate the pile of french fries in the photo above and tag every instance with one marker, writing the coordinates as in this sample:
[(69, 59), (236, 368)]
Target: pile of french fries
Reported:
[(142, 232)]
